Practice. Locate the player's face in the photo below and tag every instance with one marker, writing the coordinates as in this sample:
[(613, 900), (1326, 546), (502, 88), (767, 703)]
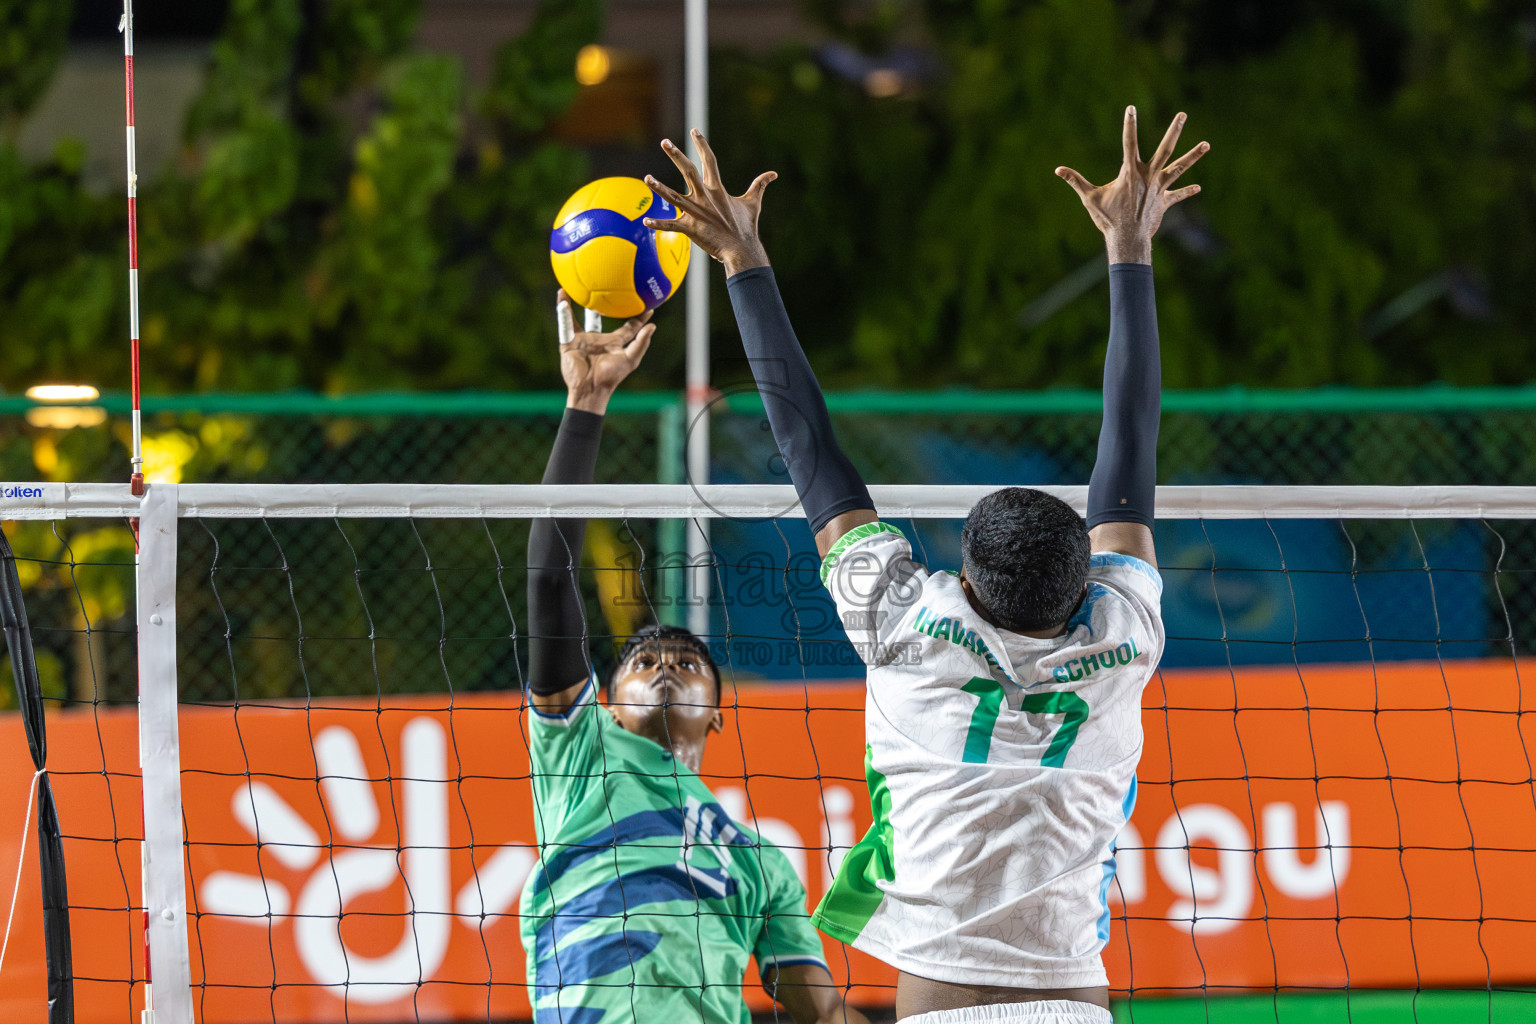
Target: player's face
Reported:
[(666, 691)]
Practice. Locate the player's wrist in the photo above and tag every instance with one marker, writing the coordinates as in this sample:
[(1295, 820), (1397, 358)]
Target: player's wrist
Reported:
[(588, 399), (1128, 247), (747, 256)]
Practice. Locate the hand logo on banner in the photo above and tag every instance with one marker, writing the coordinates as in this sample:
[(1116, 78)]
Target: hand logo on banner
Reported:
[(356, 869)]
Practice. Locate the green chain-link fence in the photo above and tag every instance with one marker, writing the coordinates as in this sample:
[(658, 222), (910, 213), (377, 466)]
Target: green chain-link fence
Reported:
[(240, 623), (1421, 436)]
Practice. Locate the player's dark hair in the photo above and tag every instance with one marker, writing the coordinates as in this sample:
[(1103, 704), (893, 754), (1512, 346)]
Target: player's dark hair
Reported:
[(1026, 557), (658, 634)]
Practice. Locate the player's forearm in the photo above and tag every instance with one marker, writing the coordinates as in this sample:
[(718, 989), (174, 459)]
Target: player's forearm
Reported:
[(826, 480), (557, 650), (1123, 486)]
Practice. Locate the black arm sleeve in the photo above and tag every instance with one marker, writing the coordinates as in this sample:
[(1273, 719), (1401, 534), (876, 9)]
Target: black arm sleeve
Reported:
[(826, 481), (557, 643), (1124, 482)]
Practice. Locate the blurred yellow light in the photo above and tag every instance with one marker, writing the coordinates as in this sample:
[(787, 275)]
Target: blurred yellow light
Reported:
[(167, 455), (593, 63), (63, 393), (63, 417)]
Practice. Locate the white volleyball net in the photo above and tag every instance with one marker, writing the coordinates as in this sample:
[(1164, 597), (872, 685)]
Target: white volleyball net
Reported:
[(1335, 797)]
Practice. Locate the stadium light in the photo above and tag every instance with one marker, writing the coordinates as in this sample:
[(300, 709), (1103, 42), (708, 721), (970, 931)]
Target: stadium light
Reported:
[(593, 63), (63, 393)]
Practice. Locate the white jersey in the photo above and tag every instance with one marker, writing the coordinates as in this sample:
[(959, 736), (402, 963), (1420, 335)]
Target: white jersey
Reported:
[(1001, 768)]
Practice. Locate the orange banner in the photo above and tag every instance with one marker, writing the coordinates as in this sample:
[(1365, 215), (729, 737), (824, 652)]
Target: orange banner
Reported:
[(1376, 839)]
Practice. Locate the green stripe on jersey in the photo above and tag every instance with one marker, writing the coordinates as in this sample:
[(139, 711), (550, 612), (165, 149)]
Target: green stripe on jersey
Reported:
[(855, 895), (851, 538)]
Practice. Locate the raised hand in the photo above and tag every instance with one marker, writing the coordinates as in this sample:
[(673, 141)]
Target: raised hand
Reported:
[(723, 225), (1130, 209), (594, 364)]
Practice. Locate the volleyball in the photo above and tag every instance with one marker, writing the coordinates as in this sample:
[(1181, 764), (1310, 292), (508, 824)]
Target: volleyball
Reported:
[(606, 258)]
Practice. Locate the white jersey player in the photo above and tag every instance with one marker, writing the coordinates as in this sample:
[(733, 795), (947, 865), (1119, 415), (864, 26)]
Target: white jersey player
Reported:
[(1003, 765), (1003, 716)]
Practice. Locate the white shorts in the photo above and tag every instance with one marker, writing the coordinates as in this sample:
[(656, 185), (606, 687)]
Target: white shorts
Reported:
[(1042, 1011)]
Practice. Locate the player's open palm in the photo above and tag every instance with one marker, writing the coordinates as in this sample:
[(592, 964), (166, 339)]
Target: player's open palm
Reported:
[(723, 225), (596, 363), (1130, 209)]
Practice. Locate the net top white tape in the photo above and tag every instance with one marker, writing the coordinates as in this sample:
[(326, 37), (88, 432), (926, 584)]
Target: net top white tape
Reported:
[(744, 501)]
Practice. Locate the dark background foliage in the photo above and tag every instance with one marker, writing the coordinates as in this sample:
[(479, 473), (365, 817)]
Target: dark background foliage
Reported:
[(348, 213)]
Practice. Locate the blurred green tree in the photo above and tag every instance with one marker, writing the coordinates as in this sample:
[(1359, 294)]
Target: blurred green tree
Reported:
[(325, 226), (348, 214), (300, 251), (1366, 220)]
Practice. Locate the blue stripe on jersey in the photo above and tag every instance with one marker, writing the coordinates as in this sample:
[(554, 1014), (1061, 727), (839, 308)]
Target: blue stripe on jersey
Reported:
[(644, 825), (789, 961), (1084, 614), (1104, 558), (669, 821), (614, 901), (1109, 876), (1126, 807), (576, 962), (568, 1015)]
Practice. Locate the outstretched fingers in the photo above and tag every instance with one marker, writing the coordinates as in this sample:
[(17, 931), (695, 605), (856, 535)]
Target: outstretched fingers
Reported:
[(1170, 140), (679, 202), (707, 161), (1128, 139), (1179, 195), (1184, 163), (667, 226), (685, 165), (632, 327), (1080, 184)]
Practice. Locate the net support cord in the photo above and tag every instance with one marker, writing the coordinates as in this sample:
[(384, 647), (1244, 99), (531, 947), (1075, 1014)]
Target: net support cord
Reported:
[(165, 896), (50, 840), (730, 501)]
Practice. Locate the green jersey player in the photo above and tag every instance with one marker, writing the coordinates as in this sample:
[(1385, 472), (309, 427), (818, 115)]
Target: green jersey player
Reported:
[(648, 900), (1002, 717)]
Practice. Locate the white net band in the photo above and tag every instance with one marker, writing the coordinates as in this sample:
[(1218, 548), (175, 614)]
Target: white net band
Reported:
[(727, 501)]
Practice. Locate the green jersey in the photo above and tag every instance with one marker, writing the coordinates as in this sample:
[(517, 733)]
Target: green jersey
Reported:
[(647, 899)]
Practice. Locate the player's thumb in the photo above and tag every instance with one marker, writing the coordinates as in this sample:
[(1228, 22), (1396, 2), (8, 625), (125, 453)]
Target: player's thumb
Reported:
[(760, 185), (635, 350), (1077, 181)]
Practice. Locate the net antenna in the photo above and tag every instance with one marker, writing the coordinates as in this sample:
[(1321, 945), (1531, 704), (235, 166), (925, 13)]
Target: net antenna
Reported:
[(136, 455), (125, 26)]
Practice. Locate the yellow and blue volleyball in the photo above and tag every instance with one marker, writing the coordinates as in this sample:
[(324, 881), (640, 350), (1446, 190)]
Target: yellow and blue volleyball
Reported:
[(607, 259)]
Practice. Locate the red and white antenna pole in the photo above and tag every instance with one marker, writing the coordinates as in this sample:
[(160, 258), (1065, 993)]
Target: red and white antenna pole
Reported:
[(137, 461), (136, 481)]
